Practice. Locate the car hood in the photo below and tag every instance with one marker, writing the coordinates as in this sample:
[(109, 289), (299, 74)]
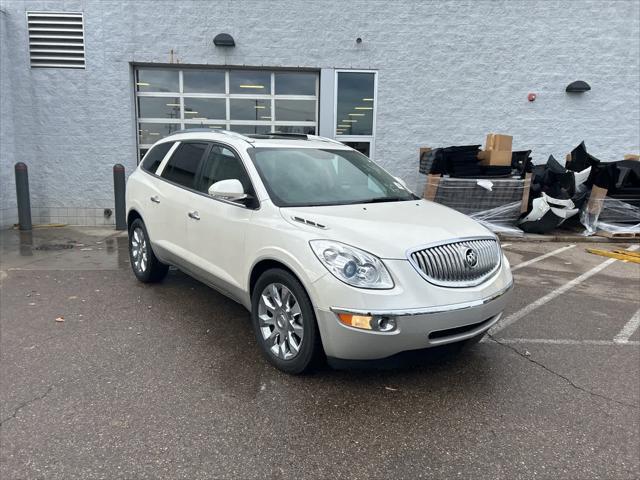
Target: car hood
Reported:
[(387, 230)]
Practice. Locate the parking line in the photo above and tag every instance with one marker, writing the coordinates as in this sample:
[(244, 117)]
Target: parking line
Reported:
[(505, 245), (628, 330), (541, 257), (514, 317), (566, 341)]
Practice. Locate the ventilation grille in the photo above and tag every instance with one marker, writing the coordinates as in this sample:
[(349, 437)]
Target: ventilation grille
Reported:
[(464, 263), (56, 40), (308, 222)]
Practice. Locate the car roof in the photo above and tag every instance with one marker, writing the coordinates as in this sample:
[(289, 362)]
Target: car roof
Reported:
[(271, 140)]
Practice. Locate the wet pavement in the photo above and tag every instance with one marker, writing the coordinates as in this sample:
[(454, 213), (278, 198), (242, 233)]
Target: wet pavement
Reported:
[(165, 381)]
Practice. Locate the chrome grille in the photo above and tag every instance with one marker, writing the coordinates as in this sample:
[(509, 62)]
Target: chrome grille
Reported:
[(452, 264)]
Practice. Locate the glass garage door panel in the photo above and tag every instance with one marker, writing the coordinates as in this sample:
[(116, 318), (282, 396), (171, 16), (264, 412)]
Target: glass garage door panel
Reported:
[(150, 133), (154, 80), (203, 81), (242, 100), (250, 109), (249, 82), (159, 107), (205, 109), (295, 83)]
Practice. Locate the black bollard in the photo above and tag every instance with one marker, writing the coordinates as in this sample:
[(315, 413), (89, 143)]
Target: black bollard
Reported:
[(119, 191), (22, 195)]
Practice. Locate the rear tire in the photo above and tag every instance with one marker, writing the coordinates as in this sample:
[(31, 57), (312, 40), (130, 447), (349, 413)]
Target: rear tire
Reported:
[(145, 265), (284, 322)]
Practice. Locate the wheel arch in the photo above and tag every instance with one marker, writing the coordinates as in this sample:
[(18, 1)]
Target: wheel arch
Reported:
[(133, 215), (266, 264)]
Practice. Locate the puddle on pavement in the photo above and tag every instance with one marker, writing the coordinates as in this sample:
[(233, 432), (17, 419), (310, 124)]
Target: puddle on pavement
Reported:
[(79, 250)]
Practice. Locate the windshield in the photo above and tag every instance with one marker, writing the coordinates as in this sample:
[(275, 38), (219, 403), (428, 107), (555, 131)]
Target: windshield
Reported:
[(296, 177)]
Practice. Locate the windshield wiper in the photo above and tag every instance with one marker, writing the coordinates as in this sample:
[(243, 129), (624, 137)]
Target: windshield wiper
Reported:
[(384, 199)]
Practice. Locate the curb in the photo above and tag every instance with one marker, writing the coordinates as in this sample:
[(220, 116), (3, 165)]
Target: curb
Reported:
[(571, 238)]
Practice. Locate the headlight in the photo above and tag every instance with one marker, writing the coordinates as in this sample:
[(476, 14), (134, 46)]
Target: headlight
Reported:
[(352, 265)]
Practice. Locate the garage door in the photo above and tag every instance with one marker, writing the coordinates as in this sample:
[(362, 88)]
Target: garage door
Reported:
[(241, 100)]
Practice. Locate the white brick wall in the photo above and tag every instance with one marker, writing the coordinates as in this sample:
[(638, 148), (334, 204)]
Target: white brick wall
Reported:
[(449, 72)]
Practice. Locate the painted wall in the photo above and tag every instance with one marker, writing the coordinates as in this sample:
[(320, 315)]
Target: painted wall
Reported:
[(449, 72)]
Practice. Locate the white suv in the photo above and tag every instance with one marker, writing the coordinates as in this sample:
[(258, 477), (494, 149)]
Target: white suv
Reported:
[(330, 253)]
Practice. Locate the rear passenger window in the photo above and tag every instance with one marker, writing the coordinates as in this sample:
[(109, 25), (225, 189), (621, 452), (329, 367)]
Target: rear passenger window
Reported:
[(183, 164), (154, 158)]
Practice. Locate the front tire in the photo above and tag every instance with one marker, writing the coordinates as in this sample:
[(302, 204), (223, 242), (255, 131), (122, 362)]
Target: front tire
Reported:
[(284, 322), (145, 265)]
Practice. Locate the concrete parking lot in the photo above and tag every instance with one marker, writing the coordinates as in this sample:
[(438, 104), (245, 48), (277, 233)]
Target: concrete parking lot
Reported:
[(166, 381)]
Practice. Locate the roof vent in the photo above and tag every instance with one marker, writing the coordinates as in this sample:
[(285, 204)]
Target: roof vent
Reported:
[(56, 39)]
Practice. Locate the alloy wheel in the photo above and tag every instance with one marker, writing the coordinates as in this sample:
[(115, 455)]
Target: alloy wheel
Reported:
[(280, 321), (139, 253)]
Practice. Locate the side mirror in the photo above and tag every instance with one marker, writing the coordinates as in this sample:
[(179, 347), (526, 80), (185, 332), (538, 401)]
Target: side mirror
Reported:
[(231, 190)]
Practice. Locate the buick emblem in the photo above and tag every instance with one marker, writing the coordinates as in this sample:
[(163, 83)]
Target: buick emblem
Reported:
[(471, 257)]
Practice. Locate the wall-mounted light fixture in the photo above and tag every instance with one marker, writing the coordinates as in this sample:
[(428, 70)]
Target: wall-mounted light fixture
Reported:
[(578, 86), (224, 40)]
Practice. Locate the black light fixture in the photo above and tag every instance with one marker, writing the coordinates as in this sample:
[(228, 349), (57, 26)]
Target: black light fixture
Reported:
[(578, 86), (224, 40)]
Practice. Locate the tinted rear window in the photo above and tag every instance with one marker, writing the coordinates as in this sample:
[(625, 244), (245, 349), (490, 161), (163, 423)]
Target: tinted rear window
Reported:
[(183, 164), (153, 159)]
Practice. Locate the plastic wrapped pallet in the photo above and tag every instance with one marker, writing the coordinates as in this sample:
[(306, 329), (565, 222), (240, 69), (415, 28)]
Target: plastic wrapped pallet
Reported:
[(610, 216), (500, 219), (496, 203), (470, 196)]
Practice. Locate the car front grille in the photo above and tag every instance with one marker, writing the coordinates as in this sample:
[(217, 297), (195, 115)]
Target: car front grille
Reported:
[(462, 263)]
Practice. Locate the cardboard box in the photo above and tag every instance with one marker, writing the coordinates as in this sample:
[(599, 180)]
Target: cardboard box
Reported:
[(495, 157), (496, 141), (631, 156)]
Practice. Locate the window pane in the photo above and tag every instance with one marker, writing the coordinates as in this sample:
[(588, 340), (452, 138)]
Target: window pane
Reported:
[(183, 164), (296, 110), (355, 103), (250, 82), (295, 83), (153, 160), (241, 109), (158, 107), (222, 164), (295, 129), (259, 129), (203, 81), (205, 108), (152, 132), (203, 125), (154, 80)]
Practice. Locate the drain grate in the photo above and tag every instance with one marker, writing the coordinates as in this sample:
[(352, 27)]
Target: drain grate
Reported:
[(54, 246)]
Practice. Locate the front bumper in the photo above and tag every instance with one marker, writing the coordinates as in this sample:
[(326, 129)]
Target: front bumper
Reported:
[(417, 328)]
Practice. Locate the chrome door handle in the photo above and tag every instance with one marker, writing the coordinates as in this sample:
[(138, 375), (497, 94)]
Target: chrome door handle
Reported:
[(195, 215), (155, 199)]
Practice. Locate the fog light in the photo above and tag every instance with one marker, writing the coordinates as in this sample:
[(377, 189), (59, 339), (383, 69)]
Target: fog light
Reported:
[(367, 322), (384, 324)]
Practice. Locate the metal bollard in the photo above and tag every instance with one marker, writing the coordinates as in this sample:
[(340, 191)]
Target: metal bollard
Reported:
[(22, 195), (119, 191)]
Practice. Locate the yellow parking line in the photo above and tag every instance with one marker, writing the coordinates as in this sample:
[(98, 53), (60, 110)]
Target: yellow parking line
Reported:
[(617, 254)]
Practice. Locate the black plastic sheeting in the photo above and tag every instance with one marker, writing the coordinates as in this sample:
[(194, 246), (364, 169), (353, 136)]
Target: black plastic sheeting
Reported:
[(621, 179), (462, 162)]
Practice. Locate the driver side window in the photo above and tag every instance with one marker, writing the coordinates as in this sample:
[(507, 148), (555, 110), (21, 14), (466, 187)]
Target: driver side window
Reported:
[(222, 164)]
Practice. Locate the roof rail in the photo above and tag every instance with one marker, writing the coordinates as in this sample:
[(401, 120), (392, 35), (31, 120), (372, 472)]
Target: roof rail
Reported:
[(209, 130), (324, 139), (300, 136)]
